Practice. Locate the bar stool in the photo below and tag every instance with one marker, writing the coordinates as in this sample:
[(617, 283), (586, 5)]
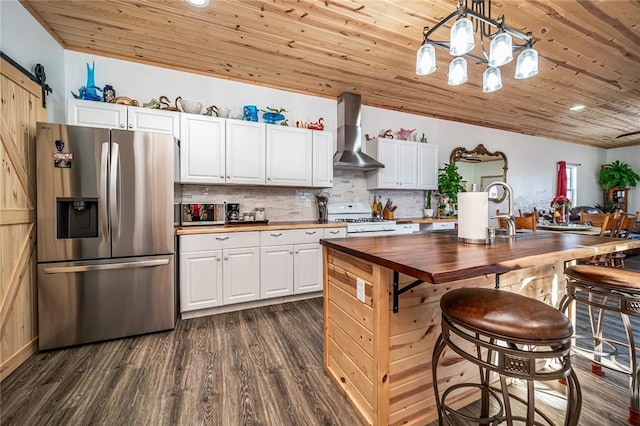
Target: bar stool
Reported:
[(513, 336), (613, 290)]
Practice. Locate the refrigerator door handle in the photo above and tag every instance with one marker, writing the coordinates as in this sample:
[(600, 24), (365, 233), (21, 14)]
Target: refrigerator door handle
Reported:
[(102, 194), (108, 266), (114, 191)]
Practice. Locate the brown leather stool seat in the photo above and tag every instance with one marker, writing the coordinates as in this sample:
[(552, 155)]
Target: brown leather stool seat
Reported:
[(605, 289), (514, 336)]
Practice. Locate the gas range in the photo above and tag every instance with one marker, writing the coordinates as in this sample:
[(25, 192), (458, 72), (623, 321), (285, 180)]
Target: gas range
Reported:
[(358, 218)]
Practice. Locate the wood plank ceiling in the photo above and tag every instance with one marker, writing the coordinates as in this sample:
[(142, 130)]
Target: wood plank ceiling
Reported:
[(589, 54)]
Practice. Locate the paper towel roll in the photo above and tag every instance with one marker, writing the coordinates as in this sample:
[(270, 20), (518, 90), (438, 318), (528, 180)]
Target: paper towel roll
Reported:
[(473, 216)]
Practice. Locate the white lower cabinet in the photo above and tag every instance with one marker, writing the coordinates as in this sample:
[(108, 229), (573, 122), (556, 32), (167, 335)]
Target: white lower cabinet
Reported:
[(291, 262), (307, 268), (219, 269), (276, 271), (200, 280), (335, 232), (240, 275)]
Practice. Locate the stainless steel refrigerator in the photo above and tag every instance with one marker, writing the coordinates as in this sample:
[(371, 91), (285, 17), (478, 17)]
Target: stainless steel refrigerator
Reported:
[(105, 234)]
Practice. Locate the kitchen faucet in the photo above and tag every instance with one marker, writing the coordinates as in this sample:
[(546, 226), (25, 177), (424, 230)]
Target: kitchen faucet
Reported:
[(511, 225)]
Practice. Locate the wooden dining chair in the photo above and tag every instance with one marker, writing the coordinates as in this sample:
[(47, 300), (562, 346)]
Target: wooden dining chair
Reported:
[(593, 219), (529, 221), (608, 228), (626, 224)]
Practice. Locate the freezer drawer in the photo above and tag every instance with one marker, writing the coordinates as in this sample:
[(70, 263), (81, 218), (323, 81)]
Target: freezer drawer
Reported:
[(82, 302)]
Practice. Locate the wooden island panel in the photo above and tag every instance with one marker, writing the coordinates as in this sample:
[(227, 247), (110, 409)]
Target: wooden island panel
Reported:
[(382, 360)]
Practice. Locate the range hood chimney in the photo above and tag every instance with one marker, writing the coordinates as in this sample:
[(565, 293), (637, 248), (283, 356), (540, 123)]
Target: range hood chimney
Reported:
[(349, 155)]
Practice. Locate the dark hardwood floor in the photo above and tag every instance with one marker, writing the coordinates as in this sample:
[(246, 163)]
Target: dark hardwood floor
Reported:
[(256, 367)]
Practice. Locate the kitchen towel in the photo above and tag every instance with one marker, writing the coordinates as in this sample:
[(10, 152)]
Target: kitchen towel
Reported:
[(473, 216)]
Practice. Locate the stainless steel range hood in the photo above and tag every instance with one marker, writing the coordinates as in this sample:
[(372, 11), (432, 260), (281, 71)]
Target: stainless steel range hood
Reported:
[(350, 155)]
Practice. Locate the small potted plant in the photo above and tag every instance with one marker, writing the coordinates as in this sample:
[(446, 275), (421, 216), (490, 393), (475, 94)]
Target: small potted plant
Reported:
[(449, 185), (428, 211)]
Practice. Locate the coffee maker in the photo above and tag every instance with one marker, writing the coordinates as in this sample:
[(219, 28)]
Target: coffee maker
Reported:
[(232, 212), (323, 214)]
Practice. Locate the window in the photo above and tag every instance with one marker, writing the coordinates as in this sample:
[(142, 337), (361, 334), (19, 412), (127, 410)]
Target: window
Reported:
[(572, 183)]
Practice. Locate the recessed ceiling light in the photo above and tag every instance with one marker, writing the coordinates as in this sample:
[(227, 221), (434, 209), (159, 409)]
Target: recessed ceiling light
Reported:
[(577, 108), (198, 3)]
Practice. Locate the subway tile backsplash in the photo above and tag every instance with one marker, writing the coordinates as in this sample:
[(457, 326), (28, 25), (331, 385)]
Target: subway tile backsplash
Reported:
[(299, 204)]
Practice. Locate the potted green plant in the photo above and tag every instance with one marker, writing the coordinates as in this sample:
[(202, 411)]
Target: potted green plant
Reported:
[(449, 186), (428, 211), (618, 174)]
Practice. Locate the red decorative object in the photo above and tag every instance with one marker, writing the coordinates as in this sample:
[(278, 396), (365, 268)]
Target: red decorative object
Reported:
[(319, 125)]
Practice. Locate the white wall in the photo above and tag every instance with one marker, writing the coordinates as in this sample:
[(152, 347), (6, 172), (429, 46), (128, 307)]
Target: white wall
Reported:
[(631, 156), (27, 43)]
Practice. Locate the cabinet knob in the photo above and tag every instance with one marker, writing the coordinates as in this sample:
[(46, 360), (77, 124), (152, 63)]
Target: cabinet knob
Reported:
[(330, 180), (290, 251), (228, 177), (297, 251), (122, 126), (218, 258), (226, 258), (131, 126), (269, 178)]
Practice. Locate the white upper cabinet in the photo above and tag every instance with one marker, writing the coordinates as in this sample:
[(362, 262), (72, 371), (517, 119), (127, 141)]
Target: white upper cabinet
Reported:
[(96, 114), (114, 116), (322, 159), (427, 166), (202, 149), (289, 156), (408, 165), (245, 152), (153, 120)]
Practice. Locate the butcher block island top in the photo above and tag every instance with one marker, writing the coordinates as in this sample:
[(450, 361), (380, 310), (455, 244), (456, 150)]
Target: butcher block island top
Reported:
[(381, 360), (439, 258)]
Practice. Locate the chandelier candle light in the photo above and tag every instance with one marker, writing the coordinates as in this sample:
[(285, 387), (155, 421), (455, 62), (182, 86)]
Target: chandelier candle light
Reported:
[(461, 43)]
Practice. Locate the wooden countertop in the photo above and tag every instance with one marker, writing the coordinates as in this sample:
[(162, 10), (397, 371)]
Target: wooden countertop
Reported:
[(271, 226), (439, 258), (400, 221)]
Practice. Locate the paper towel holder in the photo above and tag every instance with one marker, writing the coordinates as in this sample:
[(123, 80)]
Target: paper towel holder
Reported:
[(489, 239)]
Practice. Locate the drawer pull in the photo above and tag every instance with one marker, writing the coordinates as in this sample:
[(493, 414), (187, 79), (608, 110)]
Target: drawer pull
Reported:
[(334, 232), (222, 238), (279, 234), (310, 232)]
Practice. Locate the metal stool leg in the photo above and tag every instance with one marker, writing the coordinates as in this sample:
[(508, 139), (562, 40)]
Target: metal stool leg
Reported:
[(574, 400), (441, 343)]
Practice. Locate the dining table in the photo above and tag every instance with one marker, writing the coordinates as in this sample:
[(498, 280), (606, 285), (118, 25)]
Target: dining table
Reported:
[(575, 228)]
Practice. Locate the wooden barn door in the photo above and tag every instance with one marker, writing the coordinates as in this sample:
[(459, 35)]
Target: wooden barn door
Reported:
[(20, 109)]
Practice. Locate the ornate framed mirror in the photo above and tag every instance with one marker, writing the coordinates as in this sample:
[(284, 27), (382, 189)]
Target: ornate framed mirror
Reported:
[(481, 167)]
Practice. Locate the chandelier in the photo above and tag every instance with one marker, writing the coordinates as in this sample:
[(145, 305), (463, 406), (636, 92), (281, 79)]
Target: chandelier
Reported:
[(462, 42)]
